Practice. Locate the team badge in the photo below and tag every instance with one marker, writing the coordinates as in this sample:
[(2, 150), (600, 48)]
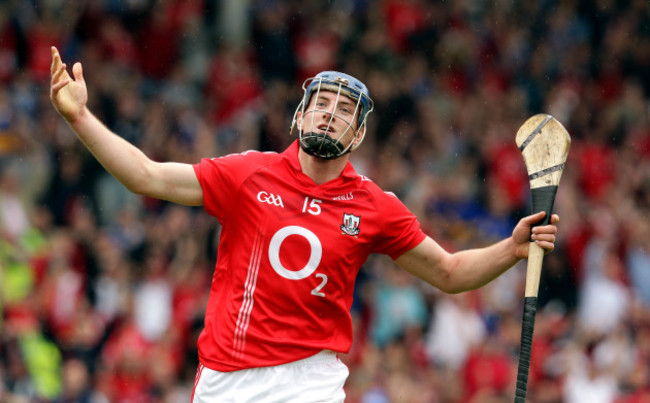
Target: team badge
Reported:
[(350, 224)]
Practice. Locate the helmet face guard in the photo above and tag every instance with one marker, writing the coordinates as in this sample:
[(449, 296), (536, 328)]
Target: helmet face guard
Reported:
[(317, 142)]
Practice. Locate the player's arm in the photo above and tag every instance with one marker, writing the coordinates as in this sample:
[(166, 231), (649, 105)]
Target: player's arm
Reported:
[(175, 182), (473, 268)]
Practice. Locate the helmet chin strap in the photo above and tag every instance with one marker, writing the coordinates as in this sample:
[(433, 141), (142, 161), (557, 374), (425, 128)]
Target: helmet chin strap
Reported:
[(321, 145)]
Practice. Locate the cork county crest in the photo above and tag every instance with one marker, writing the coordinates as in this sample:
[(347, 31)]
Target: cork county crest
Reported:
[(350, 224)]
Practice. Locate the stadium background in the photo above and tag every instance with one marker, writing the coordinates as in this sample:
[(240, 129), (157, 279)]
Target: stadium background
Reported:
[(103, 292)]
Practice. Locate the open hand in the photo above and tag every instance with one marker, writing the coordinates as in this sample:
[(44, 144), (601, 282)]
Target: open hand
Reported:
[(543, 235), (68, 96)]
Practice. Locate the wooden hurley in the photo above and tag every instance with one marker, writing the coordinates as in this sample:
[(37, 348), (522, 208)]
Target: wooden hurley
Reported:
[(544, 144)]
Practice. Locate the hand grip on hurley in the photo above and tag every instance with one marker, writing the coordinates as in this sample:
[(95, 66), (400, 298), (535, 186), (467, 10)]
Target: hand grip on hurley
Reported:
[(544, 144)]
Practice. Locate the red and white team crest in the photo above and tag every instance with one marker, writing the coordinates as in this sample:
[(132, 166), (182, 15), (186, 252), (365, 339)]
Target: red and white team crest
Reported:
[(350, 224)]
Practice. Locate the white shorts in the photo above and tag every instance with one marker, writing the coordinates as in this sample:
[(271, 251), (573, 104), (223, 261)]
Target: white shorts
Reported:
[(319, 378)]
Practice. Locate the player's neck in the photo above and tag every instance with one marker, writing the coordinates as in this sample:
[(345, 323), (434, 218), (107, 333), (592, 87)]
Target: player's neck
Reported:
[(320, 170)]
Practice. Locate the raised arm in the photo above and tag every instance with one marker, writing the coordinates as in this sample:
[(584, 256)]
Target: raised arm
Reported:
[(473, 268), (170, 181)]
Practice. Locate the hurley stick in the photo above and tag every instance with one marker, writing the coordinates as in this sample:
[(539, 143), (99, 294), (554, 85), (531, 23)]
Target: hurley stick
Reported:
[(544, 144)]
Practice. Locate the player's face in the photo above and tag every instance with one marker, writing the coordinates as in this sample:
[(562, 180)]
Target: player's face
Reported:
[(335, 118)]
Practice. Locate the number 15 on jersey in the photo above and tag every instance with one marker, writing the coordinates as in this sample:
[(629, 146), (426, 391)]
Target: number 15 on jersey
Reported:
[(311, 206)]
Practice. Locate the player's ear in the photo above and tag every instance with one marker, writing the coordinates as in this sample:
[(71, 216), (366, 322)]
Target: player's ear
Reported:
[(299, 120), (356, 141)]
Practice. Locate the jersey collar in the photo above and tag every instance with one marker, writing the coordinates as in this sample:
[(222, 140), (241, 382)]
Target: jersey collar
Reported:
[(291, 154)]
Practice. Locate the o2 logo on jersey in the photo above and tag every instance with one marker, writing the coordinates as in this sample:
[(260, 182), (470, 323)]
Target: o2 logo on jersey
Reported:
[(315, 255), (270, 198)]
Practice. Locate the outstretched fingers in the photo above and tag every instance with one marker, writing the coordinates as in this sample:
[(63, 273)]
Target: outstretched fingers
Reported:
[(57, 87), (58, 83), (56, 59), (77, 71), (60, 77), (55, 68)]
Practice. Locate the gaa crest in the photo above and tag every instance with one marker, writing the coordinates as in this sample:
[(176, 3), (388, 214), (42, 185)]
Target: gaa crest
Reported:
[(350, 224)]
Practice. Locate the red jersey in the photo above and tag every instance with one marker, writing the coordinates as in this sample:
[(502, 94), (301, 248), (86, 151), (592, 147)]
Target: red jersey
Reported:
[(289, 253)]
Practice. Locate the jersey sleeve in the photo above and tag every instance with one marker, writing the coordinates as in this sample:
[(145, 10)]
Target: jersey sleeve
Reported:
[(400, 229), (221, 177)]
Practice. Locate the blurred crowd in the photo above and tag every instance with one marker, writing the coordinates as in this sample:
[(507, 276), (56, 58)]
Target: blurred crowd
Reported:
[(103, 291)]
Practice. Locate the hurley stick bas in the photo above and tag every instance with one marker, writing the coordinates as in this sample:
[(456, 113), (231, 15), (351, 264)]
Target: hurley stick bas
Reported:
[(544, 143)]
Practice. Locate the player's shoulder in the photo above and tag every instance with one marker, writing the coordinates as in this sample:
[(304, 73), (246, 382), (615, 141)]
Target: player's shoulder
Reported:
[(375, 190), (247, 160), (252, 155), (241, 164)]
